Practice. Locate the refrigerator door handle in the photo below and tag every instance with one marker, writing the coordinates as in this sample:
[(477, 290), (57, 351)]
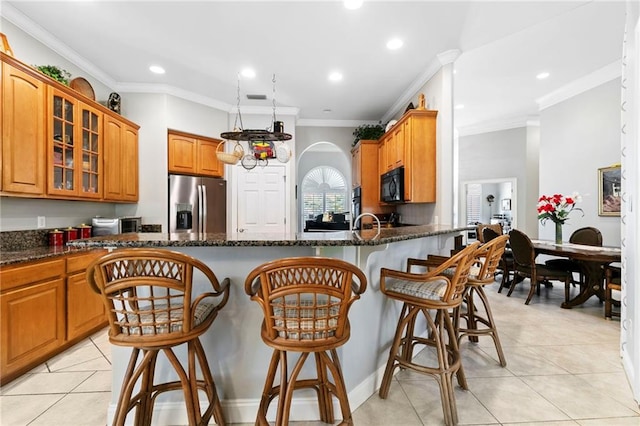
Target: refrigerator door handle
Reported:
[(200, 208), (204, 208)]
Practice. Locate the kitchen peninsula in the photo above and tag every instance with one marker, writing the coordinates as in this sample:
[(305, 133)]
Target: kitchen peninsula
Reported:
[(238, 357)]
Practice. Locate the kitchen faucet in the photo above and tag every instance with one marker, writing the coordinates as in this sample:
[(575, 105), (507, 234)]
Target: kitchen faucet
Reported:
[(368, 214)]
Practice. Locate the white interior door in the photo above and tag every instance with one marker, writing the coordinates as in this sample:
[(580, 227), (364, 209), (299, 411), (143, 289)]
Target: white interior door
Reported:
[(261, 199)]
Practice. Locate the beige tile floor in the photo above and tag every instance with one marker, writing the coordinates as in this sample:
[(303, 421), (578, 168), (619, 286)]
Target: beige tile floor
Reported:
[(563, 368)]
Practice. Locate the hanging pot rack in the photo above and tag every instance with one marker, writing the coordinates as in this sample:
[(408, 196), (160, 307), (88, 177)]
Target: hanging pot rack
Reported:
[(241, 134)]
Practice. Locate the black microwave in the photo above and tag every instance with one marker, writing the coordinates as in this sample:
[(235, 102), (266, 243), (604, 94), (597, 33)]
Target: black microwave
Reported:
[(392, 186)]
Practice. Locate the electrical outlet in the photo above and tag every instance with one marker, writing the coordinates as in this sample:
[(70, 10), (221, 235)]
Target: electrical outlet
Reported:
[(41, 222)]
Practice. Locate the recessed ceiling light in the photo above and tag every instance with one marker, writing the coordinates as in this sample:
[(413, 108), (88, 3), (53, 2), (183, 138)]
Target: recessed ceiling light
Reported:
[(352, 4), (248, 73), (326, 110), (156, 69), (459, 106), (394, 43), (335, 76), (542, 75)]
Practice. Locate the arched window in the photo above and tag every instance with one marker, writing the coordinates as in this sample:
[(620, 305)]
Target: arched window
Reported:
[(323, 190)]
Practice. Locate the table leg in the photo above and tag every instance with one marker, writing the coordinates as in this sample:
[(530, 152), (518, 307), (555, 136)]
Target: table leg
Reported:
[(594, 277)]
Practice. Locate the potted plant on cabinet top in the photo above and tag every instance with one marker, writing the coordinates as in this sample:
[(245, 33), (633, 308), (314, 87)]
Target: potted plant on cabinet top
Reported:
[(55, 73), (368, 132)]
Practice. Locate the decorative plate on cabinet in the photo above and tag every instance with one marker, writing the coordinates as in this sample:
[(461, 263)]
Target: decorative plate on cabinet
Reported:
[(81, 85)]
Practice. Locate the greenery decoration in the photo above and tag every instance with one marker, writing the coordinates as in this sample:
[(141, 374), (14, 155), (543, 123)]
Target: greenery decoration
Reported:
[(368, 132), (55, 73)]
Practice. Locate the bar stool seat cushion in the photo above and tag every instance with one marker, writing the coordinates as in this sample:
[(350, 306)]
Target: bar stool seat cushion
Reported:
[(306, 319), (161, 319), (430, 290)]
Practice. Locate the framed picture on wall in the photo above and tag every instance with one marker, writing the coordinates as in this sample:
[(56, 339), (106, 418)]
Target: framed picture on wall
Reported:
[(609, 191), (506, 204)]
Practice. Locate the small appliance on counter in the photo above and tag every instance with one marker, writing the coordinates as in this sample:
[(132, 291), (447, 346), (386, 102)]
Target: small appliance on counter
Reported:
[(118, 225)]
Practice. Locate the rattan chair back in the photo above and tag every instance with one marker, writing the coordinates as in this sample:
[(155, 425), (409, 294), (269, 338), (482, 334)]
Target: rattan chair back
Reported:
[(497, 227), (305, 301), (453, 272), (487, 260), (148, 295)]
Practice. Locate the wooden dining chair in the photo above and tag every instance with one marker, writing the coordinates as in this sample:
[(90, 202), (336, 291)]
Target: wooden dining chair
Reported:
[(524, 256), (613, 281), (588, 236)]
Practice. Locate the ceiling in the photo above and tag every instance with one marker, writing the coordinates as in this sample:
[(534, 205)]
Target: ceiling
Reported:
[(500, 48)]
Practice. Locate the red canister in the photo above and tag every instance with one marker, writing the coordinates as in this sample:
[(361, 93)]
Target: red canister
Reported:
[(70, 234), (84, 231), (56, 238)]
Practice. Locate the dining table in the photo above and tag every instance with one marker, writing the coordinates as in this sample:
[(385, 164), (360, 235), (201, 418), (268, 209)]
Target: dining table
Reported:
[(592, 259)]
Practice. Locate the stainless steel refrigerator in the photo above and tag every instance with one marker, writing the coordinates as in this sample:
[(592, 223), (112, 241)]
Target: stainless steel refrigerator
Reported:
[(197, 204)]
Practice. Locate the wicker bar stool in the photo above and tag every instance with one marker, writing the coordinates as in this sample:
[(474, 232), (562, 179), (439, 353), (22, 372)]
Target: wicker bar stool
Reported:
[(441, 291), (305, 301), (148, 295), (478, 319)]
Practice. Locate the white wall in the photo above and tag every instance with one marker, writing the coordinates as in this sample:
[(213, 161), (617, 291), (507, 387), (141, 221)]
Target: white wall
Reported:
[(577, 137), (494, 156)]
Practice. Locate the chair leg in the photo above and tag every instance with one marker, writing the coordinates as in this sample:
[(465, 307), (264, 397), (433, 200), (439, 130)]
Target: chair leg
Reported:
[(125, 401), (268, 390), (333, 364), (407, 315), (324, 393), (215, 407), (490, 326), (189, 397), (534, 286)]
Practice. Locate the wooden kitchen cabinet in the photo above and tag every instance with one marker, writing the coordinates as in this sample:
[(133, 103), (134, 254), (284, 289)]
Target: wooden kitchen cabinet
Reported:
[(193, 155), (46, 306), (23, 135), (32, 311), (54, 141), (85, 310), (75, 147), (419, 129), (120, 160), (364, 167)]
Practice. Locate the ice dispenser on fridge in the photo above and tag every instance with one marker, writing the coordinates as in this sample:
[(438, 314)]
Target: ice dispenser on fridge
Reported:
[(184, 217)]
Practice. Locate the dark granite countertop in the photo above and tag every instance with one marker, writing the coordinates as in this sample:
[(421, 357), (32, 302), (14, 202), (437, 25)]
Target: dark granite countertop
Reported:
[(38, 253), (369, 237)]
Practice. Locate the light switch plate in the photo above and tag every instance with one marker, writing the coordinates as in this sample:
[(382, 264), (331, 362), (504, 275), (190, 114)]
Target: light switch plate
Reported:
[(41, 222)]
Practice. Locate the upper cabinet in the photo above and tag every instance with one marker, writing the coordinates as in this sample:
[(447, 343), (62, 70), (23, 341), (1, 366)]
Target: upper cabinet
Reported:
[(120, 160), (193, 155), (419, 133), (23, 137), (364, 169), (56, 143)]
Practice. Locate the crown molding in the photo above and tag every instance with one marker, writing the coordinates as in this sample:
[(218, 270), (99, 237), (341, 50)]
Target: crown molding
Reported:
[(576, 87), (448, 56), (311, 122), (497, 125), (21, 21)]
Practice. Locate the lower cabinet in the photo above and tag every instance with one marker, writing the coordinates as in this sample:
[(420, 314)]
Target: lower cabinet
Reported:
[(45, 307), (85, 310)]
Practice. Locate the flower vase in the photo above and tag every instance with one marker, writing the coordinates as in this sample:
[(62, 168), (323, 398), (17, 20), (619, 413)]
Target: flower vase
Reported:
[(558, 233)]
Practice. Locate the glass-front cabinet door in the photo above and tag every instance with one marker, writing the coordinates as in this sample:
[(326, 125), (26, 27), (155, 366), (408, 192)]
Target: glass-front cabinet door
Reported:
[(75, 146), (90, 151)]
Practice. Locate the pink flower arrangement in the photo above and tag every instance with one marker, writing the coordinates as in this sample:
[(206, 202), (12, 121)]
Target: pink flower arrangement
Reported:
[(557, 207)]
